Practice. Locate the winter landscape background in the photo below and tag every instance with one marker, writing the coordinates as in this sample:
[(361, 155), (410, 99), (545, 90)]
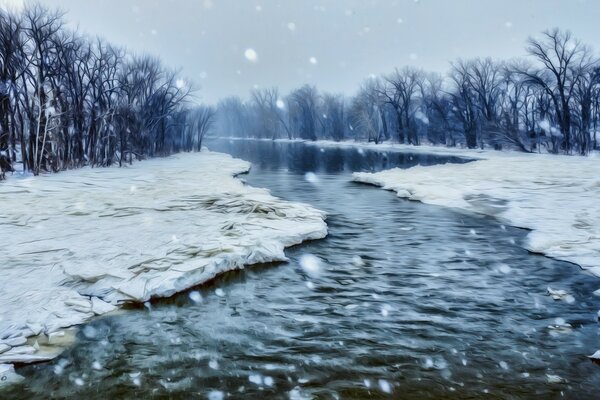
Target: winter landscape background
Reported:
[(189, 204)]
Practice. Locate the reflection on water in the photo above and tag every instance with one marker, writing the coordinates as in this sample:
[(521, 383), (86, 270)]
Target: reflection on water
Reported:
[(299, 158), (402, 300)]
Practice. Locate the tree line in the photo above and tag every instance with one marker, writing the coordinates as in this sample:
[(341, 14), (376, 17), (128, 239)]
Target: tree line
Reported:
[(547, 102), (69, 100)]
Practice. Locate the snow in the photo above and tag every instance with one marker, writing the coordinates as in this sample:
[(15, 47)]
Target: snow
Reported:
[(195, 296), (554, 196), (216, 395), (385, 386), (595, 356), (311, 265), (251, 55), (256, 379), (80, 243), (180, 83), (311, 177)]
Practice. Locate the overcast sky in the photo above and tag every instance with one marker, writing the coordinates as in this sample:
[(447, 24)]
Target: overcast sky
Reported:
[(332, 43)]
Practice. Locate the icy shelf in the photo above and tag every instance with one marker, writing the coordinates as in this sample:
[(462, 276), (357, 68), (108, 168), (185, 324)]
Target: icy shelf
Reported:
[(556, 197), (79, 243)]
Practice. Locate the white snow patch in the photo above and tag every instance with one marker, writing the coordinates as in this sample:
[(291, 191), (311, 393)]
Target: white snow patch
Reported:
[(311, 177), (251, 55), (256, 379), (385, 386), (311, 265), (552, 195), (195, 296), (85, 261), (180, 83), (216, 395)]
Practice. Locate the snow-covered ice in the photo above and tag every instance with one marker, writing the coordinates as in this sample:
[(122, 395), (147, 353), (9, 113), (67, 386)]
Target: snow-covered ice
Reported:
[(554, 196), (79, 243)]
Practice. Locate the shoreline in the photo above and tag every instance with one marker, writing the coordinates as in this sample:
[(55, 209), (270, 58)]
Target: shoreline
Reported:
[(163, 226), (551, 196), (564, 222)]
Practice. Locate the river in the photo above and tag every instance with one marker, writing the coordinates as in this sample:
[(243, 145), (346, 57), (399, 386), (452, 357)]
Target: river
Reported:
[(402, 300)]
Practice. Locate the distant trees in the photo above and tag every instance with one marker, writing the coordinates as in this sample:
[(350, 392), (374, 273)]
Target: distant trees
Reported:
[(270, 113), (197, 123), (304, 111), (367, 114), (333, 116), (563, 66), (547, 102), (400, 91), (67, 100)]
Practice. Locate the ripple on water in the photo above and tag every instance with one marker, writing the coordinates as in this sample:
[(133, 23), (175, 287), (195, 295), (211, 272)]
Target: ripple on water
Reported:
[(427, 312)]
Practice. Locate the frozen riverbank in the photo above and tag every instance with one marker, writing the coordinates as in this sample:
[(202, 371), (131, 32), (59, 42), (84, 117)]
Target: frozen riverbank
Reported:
[(385, 146), (79, 243), (554, 196)]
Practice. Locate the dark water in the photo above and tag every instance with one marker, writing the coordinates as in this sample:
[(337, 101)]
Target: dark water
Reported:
[(415, 300)]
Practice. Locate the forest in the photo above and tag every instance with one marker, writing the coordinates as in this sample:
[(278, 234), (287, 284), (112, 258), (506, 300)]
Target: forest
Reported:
[(548, 102), (69, 100)]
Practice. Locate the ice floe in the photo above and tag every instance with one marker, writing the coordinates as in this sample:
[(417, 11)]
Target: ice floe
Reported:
[(554, 196), (79, 243)]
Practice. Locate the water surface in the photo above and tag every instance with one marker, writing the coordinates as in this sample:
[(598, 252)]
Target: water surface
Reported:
[(408, 301)]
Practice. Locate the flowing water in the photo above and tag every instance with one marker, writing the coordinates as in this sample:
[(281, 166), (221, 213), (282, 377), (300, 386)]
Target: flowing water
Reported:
[(402, 300)]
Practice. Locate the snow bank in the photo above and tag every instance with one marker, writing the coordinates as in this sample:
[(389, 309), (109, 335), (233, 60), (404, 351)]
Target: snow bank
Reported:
[(557, 197), (385, 146), (79, 243)]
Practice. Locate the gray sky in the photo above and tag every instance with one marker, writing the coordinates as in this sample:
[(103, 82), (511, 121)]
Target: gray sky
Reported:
[(349, 39)]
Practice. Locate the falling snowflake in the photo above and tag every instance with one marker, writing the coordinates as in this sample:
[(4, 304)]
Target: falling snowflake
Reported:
[(251, 55), (310, 264)]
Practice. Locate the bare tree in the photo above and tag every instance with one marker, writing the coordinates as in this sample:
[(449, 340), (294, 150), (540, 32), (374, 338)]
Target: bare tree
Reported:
[(200, 120), (400, 90), (463, 103), (366, 117), (562, 60), (333, 116), (269, 106), (305, 103)]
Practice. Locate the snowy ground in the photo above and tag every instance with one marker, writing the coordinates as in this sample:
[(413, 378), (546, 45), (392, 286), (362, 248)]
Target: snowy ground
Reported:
[(385, 146), (557, 197), (79, 243)]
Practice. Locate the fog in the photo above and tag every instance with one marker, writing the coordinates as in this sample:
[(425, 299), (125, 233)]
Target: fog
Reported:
[(345, 40)]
